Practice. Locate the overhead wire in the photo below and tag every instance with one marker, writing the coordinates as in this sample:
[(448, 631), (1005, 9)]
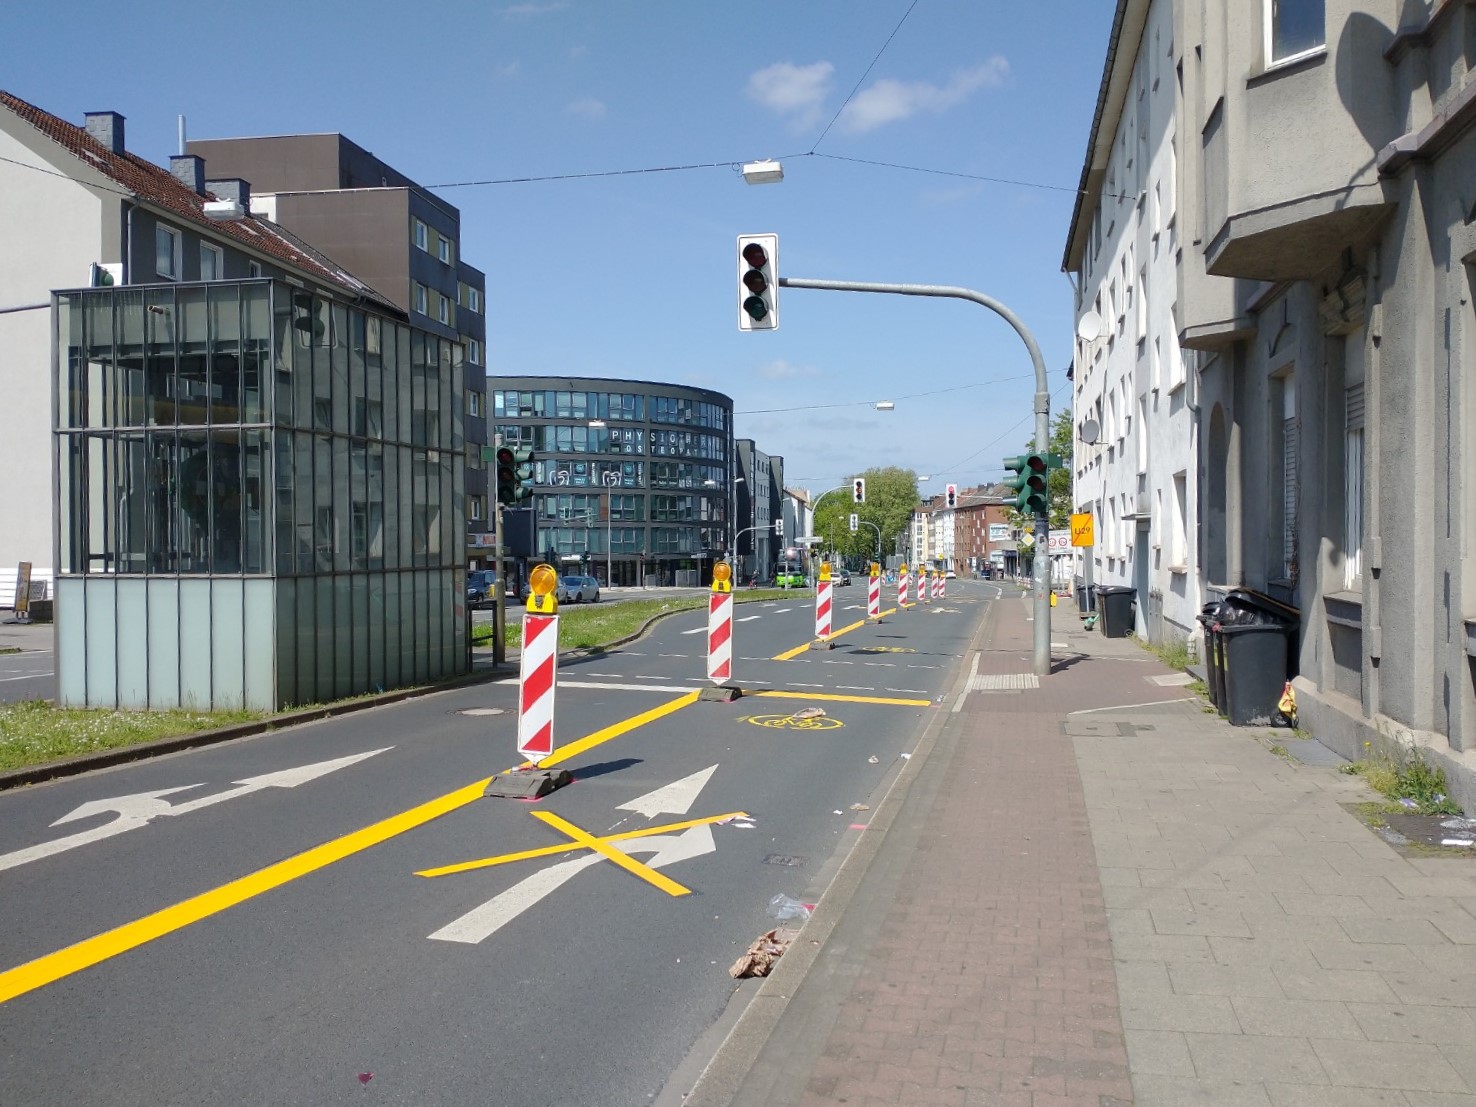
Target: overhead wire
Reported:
[(860, 80)]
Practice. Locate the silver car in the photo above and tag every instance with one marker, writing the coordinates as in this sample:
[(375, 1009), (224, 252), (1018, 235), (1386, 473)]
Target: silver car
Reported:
[(574, 589)]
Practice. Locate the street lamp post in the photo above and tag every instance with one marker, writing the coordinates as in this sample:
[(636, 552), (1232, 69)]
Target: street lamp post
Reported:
[(610, 484)]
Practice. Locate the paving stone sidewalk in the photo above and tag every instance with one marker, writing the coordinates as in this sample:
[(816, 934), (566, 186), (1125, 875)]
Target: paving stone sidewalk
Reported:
[(1097, 893)]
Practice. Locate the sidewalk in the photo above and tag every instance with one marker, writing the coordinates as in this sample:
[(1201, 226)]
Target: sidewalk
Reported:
[(1086, 895)]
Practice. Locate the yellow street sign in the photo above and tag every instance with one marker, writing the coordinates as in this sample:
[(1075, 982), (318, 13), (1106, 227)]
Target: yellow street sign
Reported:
[(1083, 529)]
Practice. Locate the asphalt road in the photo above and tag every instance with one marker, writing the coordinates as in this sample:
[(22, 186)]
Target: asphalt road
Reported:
[(271, 941), (27, 676)]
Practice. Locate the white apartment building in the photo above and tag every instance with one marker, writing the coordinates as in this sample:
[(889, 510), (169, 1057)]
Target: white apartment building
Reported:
[(1135, 458)]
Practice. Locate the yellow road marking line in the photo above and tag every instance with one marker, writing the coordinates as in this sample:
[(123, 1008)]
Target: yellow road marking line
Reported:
[(629, 864), (91, 951), (787, 654), (779, 694), (549, 851), (599, 737)]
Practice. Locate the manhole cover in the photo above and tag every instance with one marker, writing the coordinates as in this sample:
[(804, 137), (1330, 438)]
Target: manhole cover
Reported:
[(483, 711), (784, 859)]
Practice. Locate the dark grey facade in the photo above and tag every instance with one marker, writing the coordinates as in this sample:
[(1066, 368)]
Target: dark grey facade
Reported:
[(401, 239), (651, 485), (756, 497), (261, 496)]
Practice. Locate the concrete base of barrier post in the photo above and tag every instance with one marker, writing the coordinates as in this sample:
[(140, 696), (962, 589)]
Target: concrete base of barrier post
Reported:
[(720, 694), (527, 783)]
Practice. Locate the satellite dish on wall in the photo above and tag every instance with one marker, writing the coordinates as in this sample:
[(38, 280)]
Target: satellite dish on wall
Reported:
[(1089, 432), (1089, 327)]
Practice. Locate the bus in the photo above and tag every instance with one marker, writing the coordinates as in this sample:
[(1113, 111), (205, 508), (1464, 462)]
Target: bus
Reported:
[(789, 572)]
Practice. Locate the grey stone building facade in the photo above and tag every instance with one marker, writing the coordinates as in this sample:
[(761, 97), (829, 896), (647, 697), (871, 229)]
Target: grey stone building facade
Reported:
[(756, 497), (1324, 292)]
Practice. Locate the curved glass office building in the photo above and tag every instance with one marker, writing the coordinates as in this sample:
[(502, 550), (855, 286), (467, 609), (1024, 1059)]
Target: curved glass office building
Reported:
[(634, 479)]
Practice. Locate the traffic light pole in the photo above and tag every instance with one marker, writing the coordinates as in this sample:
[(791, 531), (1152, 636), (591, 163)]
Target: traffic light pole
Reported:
[(1041, 592)]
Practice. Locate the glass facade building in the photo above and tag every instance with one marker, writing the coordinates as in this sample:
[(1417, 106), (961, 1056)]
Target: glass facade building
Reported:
[(260, 495), (632, 476)]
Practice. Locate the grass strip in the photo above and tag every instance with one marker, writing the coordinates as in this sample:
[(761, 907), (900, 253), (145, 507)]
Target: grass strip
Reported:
[(34, 732)]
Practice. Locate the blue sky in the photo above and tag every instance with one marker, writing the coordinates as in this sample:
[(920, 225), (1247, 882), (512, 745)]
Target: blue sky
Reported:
[(635, 275)]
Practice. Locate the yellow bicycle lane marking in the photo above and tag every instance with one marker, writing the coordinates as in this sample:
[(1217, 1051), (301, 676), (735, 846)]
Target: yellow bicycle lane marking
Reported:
[(92, 951)]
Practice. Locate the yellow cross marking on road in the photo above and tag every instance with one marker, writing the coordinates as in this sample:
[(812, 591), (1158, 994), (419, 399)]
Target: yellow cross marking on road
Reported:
[(584, 840)]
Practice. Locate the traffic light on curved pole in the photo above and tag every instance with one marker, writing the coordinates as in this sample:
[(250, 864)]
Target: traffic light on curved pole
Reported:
[(758, 282)]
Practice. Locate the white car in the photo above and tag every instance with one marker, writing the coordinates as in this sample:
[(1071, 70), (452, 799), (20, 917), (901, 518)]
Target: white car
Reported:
[(574, 589)]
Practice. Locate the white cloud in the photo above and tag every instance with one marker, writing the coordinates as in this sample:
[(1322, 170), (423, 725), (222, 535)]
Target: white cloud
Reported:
[(889, 100), (522, 11), (784, 371), (587, 107), (509, 70), (795, 91), (578, 52)]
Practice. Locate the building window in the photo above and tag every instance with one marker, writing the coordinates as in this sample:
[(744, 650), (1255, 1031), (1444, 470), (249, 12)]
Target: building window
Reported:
[(474, 299), (1353, 488), (443, 248), (212, 262), (474, 507), (1294, 28), (166, 252), (443, 308), (474, 404), (473, 351), (1179, 539), (420, 297), (422, 235), (253, 268)]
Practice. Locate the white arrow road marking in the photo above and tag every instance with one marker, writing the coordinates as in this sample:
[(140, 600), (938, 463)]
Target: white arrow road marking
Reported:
[(675, 798), (482, 922), (696, 630), (134, 811)]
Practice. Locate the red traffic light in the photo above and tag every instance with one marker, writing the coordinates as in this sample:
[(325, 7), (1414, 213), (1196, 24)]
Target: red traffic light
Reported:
[(755, 255), (754, 281), (1037, 463)]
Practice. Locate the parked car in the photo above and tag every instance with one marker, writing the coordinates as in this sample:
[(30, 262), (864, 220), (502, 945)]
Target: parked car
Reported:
[(950, 575), (840, 576), (578, 589), (481, 588)]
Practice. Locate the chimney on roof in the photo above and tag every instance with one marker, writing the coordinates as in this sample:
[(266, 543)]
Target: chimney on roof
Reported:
[(189, 170), (107, 128), (232, 188)]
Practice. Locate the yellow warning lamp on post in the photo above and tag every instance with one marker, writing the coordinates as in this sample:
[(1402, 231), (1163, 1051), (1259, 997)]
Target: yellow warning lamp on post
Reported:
[(875, 569), (825, 570), (541, 584), (722, 577)]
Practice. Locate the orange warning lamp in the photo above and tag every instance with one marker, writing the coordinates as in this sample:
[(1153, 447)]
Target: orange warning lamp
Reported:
[(722, 577), (541, 584)]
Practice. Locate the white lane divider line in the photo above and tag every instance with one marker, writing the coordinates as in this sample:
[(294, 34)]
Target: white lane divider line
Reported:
[(749, 618)]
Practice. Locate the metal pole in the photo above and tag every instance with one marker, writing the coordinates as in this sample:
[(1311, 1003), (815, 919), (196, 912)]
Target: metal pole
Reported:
[(499, 607), (609, 525), (1042, 584)]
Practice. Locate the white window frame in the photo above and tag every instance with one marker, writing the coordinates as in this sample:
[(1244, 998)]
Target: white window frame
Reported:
[(421, 235), (253, 268), (215, 252), (474, 351), (174, 238), (474, 299), (443, 248), (1179, 521), (1269, 27), (420, 298), (443, 308), (473, 402)]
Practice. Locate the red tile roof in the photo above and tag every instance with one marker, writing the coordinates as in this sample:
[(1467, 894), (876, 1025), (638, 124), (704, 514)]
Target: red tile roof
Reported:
[(150, 184)]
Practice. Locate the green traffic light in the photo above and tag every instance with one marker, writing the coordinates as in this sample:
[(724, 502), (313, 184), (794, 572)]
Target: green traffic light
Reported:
[(756, 307)]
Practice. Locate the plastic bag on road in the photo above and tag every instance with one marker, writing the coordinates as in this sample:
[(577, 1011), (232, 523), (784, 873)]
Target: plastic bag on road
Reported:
[(785, 907)]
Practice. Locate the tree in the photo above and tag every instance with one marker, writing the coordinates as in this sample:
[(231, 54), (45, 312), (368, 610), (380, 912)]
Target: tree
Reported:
[(1058, 481), (891, 496)]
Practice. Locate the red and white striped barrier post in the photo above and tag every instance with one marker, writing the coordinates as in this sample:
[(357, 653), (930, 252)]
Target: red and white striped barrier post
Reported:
[(822, 603), (538, 666), (937, 586), (720, 626), (873, 592), (942, 586), (902, 579), (922, 586)]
